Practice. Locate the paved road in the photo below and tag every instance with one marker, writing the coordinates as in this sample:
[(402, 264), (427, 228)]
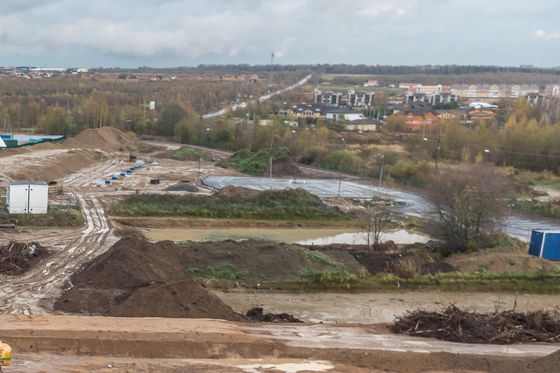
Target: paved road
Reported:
[(415, 205), (260, 99)]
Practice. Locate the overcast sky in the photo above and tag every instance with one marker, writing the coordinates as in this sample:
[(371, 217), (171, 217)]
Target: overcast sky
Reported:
[(132, 33)]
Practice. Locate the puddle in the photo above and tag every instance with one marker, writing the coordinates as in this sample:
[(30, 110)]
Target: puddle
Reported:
[(310, 366), (320, 236)]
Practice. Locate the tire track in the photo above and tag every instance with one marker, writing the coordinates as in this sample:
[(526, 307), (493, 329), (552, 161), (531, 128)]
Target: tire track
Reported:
[(36, 291)]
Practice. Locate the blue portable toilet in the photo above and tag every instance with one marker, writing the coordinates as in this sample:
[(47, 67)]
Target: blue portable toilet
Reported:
[(123, 173), (107, 182), (129, 171), (545, 244), (114, 177)]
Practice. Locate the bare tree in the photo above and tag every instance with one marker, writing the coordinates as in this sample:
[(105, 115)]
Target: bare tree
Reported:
[(375, 220), (467, 205)]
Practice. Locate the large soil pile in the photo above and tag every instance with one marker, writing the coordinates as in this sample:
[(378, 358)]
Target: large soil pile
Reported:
[(17, 258), (61, 166), (253, 261), (138, 278), (104, 138)]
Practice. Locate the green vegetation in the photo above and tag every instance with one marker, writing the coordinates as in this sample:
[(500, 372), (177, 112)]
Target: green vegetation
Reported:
[(254, 163), (267, 205), (188, 153), (544, 209), (56, 217), (330, 276), (535, 283), (226, 271)]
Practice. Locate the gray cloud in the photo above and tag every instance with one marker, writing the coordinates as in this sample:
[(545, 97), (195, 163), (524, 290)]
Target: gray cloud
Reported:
[(185, 32)]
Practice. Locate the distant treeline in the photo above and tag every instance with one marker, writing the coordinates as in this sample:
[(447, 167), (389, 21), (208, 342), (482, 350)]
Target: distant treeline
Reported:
[(340, 69)]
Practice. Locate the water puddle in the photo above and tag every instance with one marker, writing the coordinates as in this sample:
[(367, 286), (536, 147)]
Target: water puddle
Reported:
[(309, 366), (319, 236)]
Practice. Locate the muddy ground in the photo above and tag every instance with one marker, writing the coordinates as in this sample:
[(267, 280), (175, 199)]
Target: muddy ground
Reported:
[(381, 307), (310, 347)]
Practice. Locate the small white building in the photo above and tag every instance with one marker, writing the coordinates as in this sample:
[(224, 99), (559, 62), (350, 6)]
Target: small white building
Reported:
[(27, 197)]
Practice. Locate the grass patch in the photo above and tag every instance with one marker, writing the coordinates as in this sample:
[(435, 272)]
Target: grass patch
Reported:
[(56, 217), (253, 163), (186, 153), (544, 209), (267, 205), (226, 271)]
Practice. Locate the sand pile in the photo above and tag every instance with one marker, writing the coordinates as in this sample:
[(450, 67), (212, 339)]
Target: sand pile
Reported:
[(138, 278), (104, 138), (17, 258), (237, 191), (57, 167)]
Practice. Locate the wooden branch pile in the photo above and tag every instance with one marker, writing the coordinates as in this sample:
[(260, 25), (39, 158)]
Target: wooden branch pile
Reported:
[(457, 325)]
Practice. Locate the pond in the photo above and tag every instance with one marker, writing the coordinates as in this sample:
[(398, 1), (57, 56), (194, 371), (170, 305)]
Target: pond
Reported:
[(304, 236)]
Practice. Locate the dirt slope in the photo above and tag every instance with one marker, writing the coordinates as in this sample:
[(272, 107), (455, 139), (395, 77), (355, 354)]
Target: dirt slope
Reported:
[(104, 138), (137, 278)]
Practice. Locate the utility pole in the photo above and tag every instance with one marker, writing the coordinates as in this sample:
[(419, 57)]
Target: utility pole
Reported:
[(199, 161), (270, 76), (381, 172), (438, 142), (339, 183)]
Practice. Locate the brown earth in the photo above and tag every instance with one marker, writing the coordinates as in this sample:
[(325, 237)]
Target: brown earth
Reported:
[(505, 260), (138, 278), (282, 167), (398, 260), (254, 260), (105, 138), (236, 191), (158, 338), (184, 298), (61, 166)]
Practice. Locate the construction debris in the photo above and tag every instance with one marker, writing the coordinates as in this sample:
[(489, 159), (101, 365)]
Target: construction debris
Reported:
[(257, 314), (456, 325), (18, 257)]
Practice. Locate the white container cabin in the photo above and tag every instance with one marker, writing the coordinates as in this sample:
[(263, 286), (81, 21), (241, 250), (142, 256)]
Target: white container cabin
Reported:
[(27, 197)]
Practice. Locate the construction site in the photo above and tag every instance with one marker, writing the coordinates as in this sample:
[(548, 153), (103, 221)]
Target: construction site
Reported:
[(155, 257)]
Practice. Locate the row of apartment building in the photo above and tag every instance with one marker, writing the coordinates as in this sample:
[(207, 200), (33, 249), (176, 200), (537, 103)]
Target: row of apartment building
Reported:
[(351, 98), (486, 91)]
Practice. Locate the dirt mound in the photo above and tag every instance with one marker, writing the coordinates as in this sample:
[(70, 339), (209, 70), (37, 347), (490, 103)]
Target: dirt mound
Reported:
[(58, 167), (138, 278), (184, 298), (236, 191), (400, 264), (283, 167), (104, 138), (547, 364), (17, 258), (257, 314), (182, 187), (253, 261), (132, 263), (456, 325)]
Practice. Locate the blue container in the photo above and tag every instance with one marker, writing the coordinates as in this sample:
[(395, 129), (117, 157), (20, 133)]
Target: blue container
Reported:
[(128, 172), (545, 244), (114, 177), (123, 173), (107, 182)]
